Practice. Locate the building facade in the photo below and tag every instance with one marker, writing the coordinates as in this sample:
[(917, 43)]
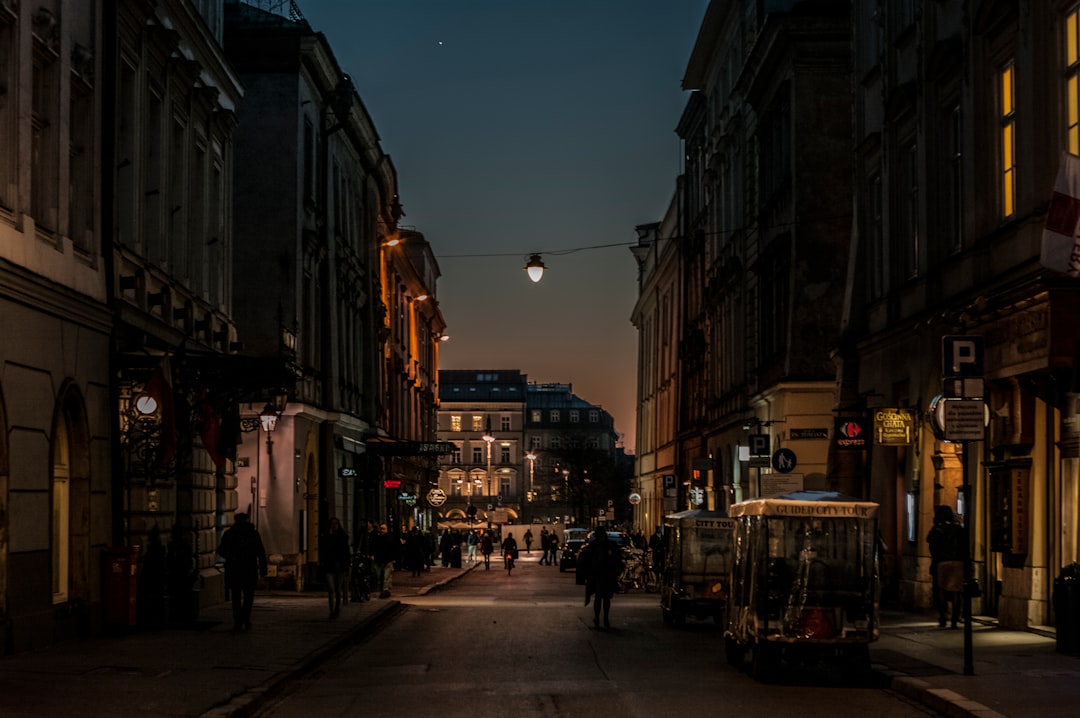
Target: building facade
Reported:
[(656, 315), (963, 113), (760, 229), (482, 415), (353, 306), (867, 186), (56, 489)]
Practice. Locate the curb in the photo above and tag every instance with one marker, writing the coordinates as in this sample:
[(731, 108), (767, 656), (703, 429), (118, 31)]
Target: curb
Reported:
[(246, 703), (942, 700), (252, 699)]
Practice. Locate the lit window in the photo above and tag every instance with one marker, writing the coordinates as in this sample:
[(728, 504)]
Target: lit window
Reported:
[(455, 423), (478, 423), (537, 416), (1008, 142), (1072, 80)]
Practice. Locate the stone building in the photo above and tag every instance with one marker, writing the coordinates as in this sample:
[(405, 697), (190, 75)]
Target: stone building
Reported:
[(963, 113), (56, 488)]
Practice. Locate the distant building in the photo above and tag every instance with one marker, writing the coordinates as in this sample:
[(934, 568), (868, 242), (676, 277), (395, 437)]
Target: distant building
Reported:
[(482, 473), (566, 436)]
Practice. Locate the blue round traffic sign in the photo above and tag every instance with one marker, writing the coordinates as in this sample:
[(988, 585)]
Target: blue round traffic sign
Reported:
[(783, 460)]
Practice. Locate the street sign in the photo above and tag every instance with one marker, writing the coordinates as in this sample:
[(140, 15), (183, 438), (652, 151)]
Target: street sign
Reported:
[(784, 460), (963, 419), (961, 356), (759, 445), (773, 484)]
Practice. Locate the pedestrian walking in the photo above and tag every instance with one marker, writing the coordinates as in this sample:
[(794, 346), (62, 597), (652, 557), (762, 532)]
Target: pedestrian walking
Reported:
[(603, 563), (387, 548), (552, 548), (334, 558), (510, 552), (947, 551), (472, 541), (245, 561), (528, 540), (414, 551), (658, 547), (543, 545), (487, 547)]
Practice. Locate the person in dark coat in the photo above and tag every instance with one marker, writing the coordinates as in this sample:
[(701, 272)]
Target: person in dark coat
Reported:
[(414, 551), (245, 561), (603, 563), (334, 559), (528, 540), (487, 546), (947, 550)]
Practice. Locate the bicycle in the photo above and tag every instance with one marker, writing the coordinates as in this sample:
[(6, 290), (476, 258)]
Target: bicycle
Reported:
[(638, 573), (359, 579)]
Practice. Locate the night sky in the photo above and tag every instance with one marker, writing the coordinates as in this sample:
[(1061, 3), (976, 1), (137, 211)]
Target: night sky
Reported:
[(522, 126)]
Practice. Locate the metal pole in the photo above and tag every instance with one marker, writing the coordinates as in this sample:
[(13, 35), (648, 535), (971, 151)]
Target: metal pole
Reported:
[(965, 488)]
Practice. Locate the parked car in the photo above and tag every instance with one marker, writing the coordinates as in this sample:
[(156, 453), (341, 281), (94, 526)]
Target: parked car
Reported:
[(573, 547), (573, 541)]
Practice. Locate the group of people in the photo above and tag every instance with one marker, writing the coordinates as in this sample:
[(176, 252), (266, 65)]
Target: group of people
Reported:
[(549, 547)]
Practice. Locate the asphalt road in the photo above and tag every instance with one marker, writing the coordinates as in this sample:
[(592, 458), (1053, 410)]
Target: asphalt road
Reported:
[(523, 645)]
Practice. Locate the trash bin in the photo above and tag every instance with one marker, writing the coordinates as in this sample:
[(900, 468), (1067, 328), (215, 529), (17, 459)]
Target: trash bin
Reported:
[(120, 586), (1067, 609)]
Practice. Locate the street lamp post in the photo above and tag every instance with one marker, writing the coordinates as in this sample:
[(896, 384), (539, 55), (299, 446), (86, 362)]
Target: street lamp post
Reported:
[(490, 439), (531, 495)]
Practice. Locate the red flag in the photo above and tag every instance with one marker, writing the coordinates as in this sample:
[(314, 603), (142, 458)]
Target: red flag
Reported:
[(160, 388), (211, 430), (1061, 236)]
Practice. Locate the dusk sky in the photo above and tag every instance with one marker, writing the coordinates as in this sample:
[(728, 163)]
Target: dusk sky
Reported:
[(520, 127)]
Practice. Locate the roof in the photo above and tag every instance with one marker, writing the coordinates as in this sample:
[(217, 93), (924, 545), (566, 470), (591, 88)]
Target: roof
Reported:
[(701, 518), (811, 504)]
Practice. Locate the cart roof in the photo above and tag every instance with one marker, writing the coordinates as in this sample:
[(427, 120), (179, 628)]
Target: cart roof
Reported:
[(700, 518), (816, 504)]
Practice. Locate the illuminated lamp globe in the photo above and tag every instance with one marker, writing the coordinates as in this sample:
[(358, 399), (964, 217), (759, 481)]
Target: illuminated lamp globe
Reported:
[(535, 268)]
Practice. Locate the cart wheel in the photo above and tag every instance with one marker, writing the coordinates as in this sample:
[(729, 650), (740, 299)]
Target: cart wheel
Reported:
[(734, 651)]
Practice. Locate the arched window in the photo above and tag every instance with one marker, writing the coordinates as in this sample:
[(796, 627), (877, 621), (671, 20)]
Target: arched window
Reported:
[(61, 512)]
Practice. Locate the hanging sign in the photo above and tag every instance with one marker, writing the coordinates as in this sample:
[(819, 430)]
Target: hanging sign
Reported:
[(894, 427), (635, 498)]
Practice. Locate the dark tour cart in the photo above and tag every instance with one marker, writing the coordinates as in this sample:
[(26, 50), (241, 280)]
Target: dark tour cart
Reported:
[(804, 581), (697, 566)]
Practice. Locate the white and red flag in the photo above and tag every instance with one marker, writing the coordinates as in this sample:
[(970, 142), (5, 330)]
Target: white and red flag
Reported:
[(1061, 241)]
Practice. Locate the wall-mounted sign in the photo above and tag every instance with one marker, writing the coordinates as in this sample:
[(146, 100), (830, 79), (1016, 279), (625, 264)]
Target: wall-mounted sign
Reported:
[(894, 427), (409, 499), (346, 472), (391, 483), (851, 433), (797, 434), (635, 498), (437, 497)]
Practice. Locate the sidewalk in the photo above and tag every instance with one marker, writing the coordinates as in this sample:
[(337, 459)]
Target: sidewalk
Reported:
[(206, 670), (1018, 674), (210, 672)]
